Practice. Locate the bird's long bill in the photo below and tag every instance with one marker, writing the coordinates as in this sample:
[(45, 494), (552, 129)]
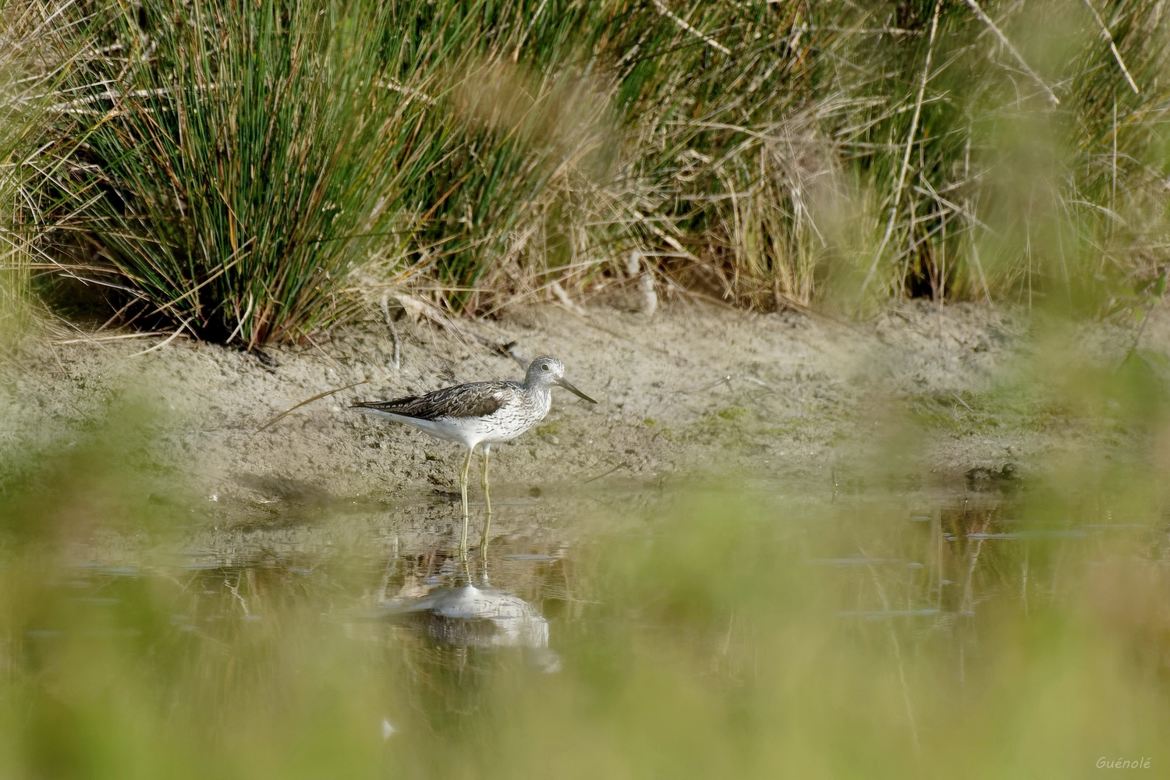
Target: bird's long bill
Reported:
[(565, 384)]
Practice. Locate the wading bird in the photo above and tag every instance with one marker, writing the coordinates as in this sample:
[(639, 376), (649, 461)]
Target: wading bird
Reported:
[(480, 413)]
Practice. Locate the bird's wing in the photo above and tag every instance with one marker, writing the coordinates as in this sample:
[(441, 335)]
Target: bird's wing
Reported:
[(477, 399)]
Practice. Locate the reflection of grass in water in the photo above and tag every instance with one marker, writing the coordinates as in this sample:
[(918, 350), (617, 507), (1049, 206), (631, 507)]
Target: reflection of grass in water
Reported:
[(714, 635)]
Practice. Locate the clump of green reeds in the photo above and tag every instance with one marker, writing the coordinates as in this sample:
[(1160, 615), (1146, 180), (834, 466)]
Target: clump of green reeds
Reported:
[(239, 160), (243, 157)]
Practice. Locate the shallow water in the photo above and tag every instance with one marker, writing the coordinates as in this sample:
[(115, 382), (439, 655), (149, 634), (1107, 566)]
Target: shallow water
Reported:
[(611, 606), (396, 571)]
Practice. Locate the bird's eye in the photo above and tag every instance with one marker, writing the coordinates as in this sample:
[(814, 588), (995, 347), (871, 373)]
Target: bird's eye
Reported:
[(545, 367)]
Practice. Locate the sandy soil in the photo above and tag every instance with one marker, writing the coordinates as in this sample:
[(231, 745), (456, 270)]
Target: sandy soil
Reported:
[(695, 388)]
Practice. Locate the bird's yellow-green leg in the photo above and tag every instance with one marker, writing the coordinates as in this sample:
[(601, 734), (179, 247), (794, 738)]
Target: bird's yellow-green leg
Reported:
[(463, 491), (487, 497)]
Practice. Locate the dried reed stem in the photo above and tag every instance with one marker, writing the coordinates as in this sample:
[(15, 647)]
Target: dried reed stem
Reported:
[(707, 39), (1108, 36)]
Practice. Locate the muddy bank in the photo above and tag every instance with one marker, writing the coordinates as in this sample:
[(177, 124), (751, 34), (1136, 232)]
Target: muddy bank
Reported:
[(694, 389)]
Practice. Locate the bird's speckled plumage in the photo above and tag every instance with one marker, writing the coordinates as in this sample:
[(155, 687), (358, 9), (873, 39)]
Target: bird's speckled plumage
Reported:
[(479, 413), (475, 399)]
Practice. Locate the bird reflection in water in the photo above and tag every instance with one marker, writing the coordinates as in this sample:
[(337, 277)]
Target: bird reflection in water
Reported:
[(471, 613)]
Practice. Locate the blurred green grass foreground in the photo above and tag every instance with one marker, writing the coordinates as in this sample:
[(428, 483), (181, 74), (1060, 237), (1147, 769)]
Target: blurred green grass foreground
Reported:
[(708, 632), (709, 627)]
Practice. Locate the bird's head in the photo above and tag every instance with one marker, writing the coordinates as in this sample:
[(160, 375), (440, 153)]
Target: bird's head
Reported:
[(546, 371)]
